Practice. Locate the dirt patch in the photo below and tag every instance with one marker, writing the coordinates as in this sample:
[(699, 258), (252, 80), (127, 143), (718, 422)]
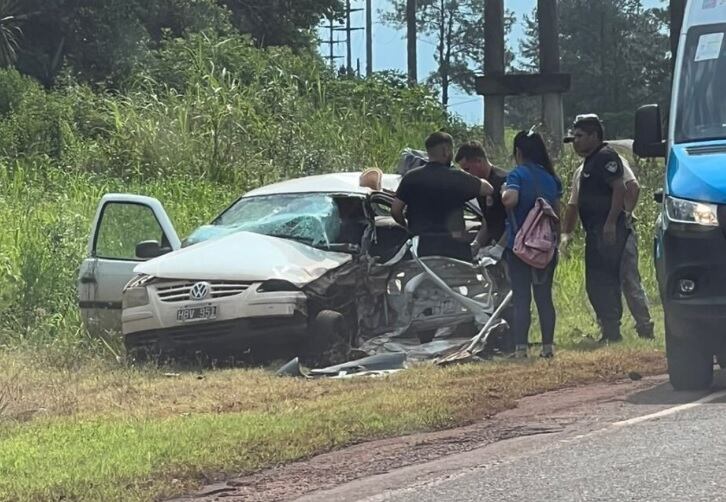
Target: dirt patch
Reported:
[(540, 414)]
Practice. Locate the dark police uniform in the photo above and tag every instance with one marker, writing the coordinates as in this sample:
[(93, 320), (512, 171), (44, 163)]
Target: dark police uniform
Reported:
[(602, 261), (495, 215), (435, 195)]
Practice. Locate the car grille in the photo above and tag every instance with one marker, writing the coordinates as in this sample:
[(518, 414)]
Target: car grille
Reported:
[(179, 291), (706, 150)]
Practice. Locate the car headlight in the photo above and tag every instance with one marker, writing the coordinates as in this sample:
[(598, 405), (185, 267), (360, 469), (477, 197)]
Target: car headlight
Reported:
[(695, 213), (135, 297), (135, 293)]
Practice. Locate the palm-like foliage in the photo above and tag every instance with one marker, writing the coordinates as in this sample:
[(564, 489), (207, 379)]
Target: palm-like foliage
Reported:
[(10, 32)]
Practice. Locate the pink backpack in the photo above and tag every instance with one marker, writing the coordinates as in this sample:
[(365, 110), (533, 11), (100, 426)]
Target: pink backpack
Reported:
[(536, 241)]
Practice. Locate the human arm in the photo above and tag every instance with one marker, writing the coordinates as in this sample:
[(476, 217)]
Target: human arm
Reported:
[(397, 207), (632, 193), (482, 237), (486, 188)]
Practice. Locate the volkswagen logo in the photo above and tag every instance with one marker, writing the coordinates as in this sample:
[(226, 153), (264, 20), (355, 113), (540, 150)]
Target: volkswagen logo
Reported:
[(199, 291)]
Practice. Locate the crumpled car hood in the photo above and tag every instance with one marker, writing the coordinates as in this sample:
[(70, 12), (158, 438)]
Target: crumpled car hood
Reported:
[(245, 256)]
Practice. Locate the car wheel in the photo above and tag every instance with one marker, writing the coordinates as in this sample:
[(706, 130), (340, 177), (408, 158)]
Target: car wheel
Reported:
[(328, 340), (690, 361)]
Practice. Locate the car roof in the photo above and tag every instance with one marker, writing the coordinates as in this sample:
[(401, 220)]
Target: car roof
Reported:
[(325, 183)]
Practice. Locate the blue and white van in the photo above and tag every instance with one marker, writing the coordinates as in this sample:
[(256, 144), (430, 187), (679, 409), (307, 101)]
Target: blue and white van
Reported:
[(690, 240)]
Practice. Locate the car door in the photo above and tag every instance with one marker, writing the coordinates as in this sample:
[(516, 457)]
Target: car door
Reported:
[(122, 222)]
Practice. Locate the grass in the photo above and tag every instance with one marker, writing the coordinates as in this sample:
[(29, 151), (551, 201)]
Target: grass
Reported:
[(110, 433)]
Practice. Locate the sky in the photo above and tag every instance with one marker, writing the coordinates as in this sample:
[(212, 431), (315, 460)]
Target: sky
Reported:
[(389, 49)]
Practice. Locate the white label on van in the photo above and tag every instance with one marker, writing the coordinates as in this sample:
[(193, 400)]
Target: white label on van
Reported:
[(709, 46)]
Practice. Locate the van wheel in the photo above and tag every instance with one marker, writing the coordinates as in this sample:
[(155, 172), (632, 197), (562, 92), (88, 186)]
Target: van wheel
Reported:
[(690, 362), (328, 340)]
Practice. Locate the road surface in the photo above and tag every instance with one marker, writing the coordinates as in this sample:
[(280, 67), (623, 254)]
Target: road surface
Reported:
[(654, 444)]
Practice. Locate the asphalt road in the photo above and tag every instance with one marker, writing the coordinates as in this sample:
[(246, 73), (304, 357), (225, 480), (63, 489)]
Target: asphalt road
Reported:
[(657, 445)]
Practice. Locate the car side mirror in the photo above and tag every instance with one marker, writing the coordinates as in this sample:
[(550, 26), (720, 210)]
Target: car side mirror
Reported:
[(648, 141), (658, 196), (150, 249)]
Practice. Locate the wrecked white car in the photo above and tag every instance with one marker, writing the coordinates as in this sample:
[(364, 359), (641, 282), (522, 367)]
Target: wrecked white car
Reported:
[(305, 266)]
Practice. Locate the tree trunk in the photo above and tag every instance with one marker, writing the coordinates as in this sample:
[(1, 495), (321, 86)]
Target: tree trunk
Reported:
[(445, 75), (411, 38)]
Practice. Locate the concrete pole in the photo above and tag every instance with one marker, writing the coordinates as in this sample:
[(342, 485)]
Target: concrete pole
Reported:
[(411, 38), (549, 57), (494, 65), (369, 39)]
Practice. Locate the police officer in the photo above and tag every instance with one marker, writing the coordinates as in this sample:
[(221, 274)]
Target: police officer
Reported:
[(433, 198), (632, 285), (600, 206), (473, 159)]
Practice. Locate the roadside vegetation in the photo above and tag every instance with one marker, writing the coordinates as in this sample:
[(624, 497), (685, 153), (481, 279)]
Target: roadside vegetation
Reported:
[(202, 120), (104, 432)]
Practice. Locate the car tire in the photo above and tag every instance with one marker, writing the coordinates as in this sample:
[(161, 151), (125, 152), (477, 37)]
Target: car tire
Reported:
[(690, 362), (328, 340)]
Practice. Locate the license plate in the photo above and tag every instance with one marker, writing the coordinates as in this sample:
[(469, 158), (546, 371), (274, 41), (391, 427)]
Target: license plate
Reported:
[(196, 313)]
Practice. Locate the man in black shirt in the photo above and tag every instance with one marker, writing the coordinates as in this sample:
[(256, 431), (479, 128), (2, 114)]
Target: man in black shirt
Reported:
[(433, 197), (473, 159), (600, 207)]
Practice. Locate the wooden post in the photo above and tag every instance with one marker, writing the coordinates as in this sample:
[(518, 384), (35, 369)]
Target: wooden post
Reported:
[(369, 39), (411, 38), (549, 57), (494, 65)]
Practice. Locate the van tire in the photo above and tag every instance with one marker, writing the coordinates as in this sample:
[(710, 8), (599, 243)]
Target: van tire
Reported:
[(690, 362)]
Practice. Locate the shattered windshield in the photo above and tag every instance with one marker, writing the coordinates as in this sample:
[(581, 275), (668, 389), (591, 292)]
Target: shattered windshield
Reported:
[(701, 107), (317, 220)]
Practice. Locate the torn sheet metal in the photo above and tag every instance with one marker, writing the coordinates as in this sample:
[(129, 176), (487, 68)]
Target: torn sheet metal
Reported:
[(382, 364)]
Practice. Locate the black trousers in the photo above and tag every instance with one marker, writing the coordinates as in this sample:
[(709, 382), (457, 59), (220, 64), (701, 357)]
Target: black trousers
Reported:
[(602, 278), (443, 245)]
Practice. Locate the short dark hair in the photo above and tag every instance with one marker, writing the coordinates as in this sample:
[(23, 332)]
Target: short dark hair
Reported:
[(438, 138), (590, 125), (471, 150)]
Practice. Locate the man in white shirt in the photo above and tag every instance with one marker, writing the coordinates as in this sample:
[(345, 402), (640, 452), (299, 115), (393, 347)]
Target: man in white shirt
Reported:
[(632, 285)]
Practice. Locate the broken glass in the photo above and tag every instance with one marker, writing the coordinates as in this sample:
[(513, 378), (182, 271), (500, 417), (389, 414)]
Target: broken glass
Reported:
[(313, 219)]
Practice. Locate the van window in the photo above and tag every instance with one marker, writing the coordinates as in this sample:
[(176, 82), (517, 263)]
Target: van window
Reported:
[(701, 105)]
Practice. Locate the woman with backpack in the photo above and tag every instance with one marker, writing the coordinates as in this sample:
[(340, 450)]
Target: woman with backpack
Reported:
[(532, 198)]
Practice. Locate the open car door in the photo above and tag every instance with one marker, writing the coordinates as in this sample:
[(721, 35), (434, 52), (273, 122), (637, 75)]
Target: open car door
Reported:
[(127, 230)]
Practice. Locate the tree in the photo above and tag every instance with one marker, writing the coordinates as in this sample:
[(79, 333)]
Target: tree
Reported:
[(618, 63), (101, 41), (281, 22), (10, 32), (458, 28)]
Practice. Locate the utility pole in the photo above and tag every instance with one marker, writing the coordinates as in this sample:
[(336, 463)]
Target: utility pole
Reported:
[(494, 66), (369, 39), (348, 31), (549, 63), (332, 43), (411, 39)]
